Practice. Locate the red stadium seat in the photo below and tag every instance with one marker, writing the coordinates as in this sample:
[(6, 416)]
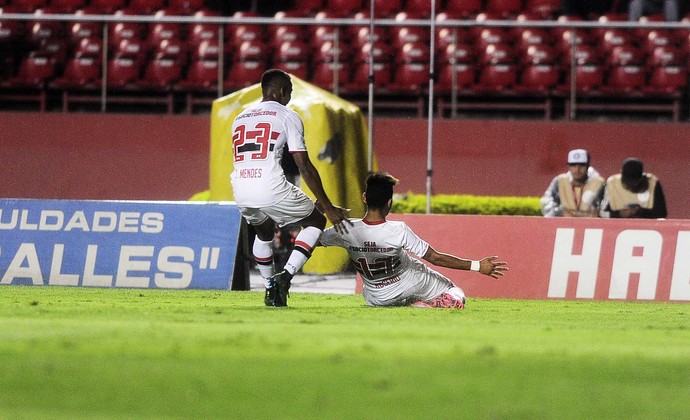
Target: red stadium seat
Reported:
[(123, 73), (187, 6), (326, 33), (667, 80), (308, 7), (134, 49), (409, 78), (31, 82), (40, 30), (612, 38), (421, 8), (467, 9), (538, 79), (625, 79), (11, 31), (400, 35), (107, 7), (281, 32), (345, 8), (363, 35), (251, 51), (385, 8), (657, 38), (379, 51), (171, 49), (505, 8), (298, 69), (453, 77), (547, 9), (34, 71), (492, 36), (28, 6), (296, 50), (146, 7), (200, 32), (451, 36), (495, 78), (583, 54), (460, 53), (496, 54), (588, 78), (328, 51), (244, 73), (161, 74), (667, 55), (117, 31), (55, 48), (525, 38), (413, 52), (625, 55), (360, 77), (89, 48), (539, 54), (158, 31), (67, 6), (82, 73), (76, 31), (206, 50), (201, 75), (325, 75)]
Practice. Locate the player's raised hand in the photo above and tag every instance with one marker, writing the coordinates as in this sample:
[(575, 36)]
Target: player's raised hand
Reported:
[(491, 267)]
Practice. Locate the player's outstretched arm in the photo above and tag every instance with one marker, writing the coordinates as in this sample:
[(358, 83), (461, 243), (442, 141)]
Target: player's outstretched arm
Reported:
[(337, 215), (489, 266)]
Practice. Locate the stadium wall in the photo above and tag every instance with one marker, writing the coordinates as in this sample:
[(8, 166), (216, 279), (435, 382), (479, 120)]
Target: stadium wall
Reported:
[(566, 258), (157, 157)]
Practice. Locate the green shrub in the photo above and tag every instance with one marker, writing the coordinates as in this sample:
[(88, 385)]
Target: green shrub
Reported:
[(467, 204)]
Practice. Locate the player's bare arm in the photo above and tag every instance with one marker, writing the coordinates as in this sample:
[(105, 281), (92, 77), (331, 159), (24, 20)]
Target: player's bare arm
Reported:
[(489, 266), (337, 215)]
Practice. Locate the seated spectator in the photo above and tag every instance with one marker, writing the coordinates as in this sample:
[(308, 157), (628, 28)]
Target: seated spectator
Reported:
[(633, 193), (639, 8), (573, 194), (588, 9)]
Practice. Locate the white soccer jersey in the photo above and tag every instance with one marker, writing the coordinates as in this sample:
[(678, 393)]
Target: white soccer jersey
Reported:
[(259, 135), (379, 253)]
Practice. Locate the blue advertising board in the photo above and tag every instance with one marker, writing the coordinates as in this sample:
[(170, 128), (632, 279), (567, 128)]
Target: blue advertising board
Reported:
[(134, 244)]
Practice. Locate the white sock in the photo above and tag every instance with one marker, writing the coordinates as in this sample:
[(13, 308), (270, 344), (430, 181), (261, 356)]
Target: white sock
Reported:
[(263, 255), (304, 244)]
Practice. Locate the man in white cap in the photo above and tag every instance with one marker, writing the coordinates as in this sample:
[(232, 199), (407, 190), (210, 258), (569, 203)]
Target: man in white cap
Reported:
[(574, 193)]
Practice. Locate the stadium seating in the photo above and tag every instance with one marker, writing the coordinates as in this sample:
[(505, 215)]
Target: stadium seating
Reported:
[(607, 61), (107, 6), (345, 8), (466, 9), (67, 6), (201, 85), (146, 7), (331, 76), (30, 82), (243, 74)]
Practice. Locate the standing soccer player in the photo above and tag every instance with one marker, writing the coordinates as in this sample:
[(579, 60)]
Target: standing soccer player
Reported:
[(260, 134), (379, 251)]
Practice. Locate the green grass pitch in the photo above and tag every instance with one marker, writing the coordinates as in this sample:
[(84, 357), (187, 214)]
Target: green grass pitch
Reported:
[(112, 353)]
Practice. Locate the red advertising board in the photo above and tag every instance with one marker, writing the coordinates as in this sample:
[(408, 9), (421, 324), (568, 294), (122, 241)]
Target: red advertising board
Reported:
[(565, 258)]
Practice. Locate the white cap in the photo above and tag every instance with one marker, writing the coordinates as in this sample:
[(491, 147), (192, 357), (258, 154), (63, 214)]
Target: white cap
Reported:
[(578, 156)]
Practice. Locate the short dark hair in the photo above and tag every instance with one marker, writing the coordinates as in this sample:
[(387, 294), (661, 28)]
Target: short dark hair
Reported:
[(379, 189), (275, 78)]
